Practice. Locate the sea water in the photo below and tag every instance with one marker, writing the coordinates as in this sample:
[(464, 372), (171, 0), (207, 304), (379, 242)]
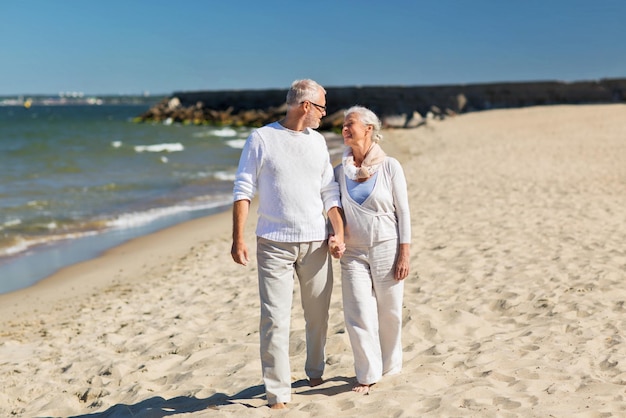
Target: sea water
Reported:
[(76, 180)]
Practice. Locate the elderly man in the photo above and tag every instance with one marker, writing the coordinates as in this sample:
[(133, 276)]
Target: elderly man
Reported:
[(288, 163)]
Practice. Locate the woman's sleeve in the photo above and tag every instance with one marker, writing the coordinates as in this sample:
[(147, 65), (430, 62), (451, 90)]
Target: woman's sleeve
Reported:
[(401, 201)]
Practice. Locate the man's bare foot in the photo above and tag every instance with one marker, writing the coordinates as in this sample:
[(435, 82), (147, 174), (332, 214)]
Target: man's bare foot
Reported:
[(315, 381), (278, 405), (360, 388)]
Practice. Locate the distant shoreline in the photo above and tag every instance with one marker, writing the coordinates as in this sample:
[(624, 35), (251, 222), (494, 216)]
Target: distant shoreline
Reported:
[(506, 93), (30, 100)]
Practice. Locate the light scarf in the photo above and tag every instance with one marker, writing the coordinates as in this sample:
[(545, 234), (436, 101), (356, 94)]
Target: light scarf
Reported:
[(373, 159)]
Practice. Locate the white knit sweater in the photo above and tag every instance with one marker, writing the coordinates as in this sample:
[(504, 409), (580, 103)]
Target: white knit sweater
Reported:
[(384, 214), (294, 177)]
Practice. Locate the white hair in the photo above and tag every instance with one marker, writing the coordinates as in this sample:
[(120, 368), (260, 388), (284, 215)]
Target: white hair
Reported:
[(302, 90), (368, 118)]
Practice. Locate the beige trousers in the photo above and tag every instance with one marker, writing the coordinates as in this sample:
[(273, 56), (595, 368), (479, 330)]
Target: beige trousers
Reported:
[(279, 263)]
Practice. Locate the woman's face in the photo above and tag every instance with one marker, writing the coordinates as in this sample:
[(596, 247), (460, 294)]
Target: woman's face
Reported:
[(354, 131)]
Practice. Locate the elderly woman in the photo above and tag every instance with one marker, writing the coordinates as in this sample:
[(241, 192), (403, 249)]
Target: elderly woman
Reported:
[(376, 259)]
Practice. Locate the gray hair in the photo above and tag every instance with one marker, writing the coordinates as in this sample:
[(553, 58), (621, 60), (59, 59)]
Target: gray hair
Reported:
[(302, 90), (368, 118)]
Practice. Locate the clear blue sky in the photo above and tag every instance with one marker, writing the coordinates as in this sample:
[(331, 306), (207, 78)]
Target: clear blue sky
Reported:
[(162, 46)]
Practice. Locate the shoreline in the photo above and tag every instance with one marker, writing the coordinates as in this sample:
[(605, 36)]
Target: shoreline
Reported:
[(42, 261), (140, 255), (514, 305)]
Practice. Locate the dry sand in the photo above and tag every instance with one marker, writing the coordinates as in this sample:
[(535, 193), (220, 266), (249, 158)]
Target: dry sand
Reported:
[(515, 306)]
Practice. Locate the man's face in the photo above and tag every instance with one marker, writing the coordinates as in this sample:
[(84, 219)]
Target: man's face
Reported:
[(317, 110)]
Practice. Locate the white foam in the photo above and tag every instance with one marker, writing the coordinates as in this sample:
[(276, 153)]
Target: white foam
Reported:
[(116, 144), (13, 222), (236, 143), (135, 219), (25, 244), (212, 132), (173, 147), (15, 248), (224, 132), (224, 175)]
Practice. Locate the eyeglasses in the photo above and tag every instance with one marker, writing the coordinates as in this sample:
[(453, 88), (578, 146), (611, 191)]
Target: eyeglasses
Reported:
[(320, 107)]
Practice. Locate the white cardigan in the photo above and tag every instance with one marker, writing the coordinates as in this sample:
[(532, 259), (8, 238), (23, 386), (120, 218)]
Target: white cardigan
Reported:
[(384, 214), (295, 182)]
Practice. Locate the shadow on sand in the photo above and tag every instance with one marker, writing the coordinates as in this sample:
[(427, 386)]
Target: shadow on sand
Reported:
[(157, 406)]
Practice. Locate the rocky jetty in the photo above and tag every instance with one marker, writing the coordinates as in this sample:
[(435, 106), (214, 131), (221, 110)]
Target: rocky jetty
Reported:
[(398, 106)]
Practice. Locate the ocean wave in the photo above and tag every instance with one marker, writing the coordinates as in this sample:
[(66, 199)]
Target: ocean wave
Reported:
[(11, 246), (135, 219), (11, 222), (172, 147), (236, 143), (221, 132), (224, 175), (221, 175), (52, 232), (225, 132), (19, 244)]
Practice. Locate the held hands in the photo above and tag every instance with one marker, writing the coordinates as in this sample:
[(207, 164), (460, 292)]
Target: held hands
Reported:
[(336, 246)]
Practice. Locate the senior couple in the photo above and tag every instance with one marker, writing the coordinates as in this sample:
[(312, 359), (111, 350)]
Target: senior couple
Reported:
[(365, 200)]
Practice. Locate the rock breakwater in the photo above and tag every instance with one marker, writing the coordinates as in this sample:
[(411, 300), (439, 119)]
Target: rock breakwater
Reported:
[(398, 106)]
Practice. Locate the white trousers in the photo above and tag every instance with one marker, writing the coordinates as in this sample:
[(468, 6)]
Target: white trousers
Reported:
[(278, 264), (372, 304)]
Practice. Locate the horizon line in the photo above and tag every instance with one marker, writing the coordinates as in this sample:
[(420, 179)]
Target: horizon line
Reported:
[(147, 94)]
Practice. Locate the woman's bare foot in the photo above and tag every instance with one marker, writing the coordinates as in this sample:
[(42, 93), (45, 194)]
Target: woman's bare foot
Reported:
[(278, 405), (361, 388), (315, 381)]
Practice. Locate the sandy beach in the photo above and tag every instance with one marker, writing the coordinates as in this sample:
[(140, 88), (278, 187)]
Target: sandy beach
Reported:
[(515, 306)]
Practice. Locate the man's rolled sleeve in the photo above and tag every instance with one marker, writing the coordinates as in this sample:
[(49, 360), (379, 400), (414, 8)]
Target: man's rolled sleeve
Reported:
[(246, 178)]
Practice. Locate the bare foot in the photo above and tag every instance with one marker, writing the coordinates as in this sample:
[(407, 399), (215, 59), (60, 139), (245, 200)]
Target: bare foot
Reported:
[(315, 381), (360, 388), (278, 405)]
